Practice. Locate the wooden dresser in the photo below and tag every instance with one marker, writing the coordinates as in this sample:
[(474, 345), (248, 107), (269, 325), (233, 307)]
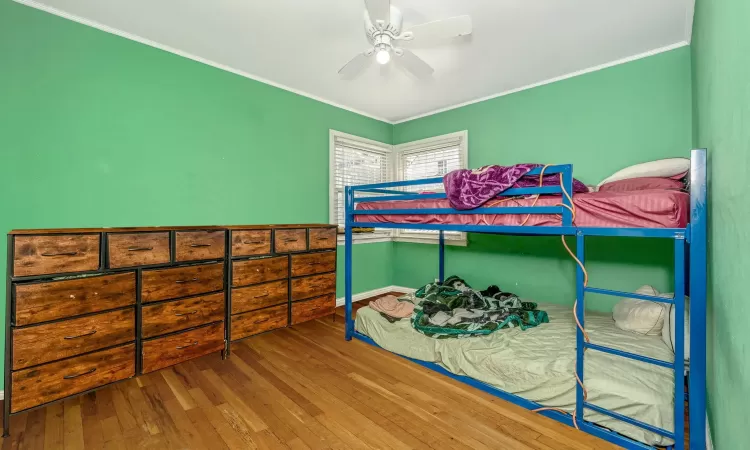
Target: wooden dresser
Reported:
[(89, 307)]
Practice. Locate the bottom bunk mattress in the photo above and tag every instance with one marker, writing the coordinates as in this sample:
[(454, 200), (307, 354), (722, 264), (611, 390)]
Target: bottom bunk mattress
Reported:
[(538, 365), (658, 208)]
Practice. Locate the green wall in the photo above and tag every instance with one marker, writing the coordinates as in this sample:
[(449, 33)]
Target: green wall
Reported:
[(600, 122), (97, 130), (721, 86)]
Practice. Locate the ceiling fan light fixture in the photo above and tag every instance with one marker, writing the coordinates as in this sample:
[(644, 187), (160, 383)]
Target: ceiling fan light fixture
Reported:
[(383, 56)]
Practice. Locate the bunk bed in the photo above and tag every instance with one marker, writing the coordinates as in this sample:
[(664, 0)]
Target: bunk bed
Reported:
[(553, 210)]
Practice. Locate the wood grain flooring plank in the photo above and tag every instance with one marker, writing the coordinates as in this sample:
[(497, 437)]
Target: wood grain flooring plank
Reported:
[(72, 425), (92, 427), (245, 412), (238, 424), (54, 433), (203, 428), (35, 428), (179, 390)]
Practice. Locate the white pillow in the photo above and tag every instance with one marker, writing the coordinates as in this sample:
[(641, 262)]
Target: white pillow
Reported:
[(640, 316), (660, 168), (668, 331)]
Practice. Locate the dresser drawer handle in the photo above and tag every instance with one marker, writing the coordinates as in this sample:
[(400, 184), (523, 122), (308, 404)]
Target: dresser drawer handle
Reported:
[(261, 321), (187, 313), (291, 240), (70, 377), (323, 238), (60, 254), (186, 281), (81, 335), (140, 249), (265, 294), (252, 242), (180, 347), (200, 245)]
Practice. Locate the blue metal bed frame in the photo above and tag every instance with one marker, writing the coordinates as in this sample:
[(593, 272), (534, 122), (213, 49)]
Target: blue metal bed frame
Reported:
[(693, 237)]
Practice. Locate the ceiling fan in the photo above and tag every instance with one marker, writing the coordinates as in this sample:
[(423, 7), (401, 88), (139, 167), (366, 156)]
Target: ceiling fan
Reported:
[(383, 28)]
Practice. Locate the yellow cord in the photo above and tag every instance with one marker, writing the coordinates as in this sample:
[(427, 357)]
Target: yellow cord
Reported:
[(572, 210)]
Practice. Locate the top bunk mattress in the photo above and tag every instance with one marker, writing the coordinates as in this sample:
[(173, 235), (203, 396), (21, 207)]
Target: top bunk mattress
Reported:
[(631, 209)]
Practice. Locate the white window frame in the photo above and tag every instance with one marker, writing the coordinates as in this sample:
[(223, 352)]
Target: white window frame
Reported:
[(394, 173), (399, 235), (383, 235)]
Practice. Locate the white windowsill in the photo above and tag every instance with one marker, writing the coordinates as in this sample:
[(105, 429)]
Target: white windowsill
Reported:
[(366, 238), (431, 240)]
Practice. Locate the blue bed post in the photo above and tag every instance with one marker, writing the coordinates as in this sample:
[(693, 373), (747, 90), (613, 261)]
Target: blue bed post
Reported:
[(348, 219), (580, 312), (679, 344), (441, 252), (567, 174), (697, 380)]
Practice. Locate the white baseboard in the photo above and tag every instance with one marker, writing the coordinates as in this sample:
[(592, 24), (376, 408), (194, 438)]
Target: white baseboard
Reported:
[(2, 395), (709, 441), (375, 292)]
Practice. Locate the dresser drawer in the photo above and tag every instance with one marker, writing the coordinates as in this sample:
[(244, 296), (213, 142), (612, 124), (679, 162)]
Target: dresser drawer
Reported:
[(170, 350), (59, 253), (39, 344), (42, 302), (165, 284), (313, 286), (259, 296), (251, 242), (286, 241), (138, 249), (313, 309), (322, 238), (312, 263), (178, 315), (43, 384), (254, 322), (199, 245), (254, 271)]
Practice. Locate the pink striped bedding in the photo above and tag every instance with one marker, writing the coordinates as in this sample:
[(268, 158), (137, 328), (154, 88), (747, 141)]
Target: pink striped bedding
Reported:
[(632, 209)]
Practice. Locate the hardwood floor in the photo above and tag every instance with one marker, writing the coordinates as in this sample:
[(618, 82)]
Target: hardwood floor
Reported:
[(297, 388)]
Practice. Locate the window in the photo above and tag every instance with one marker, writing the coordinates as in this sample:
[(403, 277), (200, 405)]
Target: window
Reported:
[(356, 160), (430, 158)]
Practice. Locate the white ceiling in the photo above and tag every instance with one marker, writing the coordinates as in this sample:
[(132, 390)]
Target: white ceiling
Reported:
[(300, 44)]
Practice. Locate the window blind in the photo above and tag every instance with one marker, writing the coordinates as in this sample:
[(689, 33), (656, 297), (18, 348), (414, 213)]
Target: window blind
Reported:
[(355, 163), (431, 161)]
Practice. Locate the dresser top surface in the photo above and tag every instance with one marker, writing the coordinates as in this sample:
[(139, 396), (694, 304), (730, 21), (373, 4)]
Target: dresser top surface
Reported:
[(160, 228)]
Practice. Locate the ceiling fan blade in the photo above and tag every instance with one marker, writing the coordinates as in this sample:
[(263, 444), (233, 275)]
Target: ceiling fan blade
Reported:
[(414, 64), (439, 30), (379, 10), (356, 65)]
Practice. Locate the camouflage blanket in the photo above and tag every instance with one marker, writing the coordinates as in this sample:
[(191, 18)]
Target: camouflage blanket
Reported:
[(454, 310)]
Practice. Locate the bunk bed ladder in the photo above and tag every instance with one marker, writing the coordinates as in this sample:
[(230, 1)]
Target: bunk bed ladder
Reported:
[(678, 366)]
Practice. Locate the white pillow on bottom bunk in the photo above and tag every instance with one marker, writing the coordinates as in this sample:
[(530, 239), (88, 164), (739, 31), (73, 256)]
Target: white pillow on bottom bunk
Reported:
[(667, 332), (641, 316)]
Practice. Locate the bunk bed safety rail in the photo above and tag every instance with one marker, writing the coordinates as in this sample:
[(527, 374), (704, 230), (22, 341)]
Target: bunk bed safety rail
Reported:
[(387, 193)]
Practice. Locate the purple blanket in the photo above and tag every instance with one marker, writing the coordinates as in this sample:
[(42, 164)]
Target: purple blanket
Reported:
[(469, 189)]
